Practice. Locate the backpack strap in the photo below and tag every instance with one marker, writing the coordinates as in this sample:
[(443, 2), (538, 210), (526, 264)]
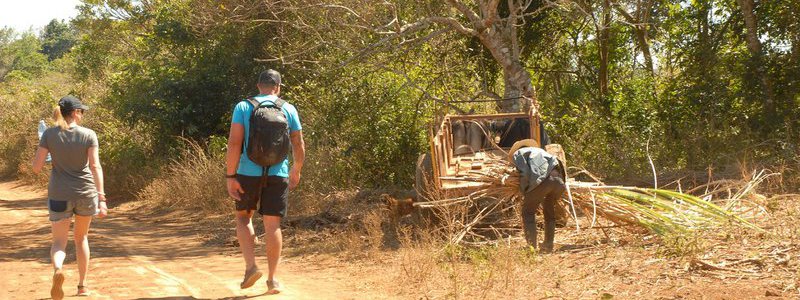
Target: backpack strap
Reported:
[(262, 182), (253, 102), (279, 103)]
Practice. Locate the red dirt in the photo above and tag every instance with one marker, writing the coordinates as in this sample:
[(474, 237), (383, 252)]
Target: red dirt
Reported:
[(134, 258)]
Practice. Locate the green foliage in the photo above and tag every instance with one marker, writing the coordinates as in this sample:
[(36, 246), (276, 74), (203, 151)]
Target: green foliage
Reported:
[(20, 57), (362, 132), (160, 70), (57, 38)]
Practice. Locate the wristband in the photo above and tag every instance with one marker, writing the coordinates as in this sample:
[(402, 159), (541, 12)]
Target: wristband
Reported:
[(101, 193), (230, 176)]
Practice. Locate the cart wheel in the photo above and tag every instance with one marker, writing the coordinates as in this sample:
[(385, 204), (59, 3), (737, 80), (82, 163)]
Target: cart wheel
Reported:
[(423, 180)]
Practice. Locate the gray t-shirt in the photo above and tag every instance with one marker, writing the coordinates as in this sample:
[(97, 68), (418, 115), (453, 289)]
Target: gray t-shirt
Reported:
[(71, 178)]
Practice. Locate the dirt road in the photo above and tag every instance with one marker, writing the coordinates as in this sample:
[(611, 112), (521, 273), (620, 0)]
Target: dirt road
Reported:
[(135, 258)]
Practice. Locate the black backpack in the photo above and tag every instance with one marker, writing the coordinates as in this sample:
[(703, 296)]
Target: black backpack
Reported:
[(268, 140)]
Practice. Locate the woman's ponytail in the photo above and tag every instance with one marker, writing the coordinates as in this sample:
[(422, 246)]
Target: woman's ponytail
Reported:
[(59, 119)]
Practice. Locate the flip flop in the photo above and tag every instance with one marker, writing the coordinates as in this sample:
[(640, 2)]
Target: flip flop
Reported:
[(57, 291), (274, 286), (83, 291), (250, 278)]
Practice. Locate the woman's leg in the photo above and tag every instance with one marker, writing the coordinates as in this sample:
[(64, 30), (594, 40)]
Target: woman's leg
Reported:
[(82, 245), (60, 231)]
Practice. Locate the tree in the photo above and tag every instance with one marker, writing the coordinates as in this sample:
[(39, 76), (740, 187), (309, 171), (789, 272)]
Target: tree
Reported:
[(640, 21), (57, 39), (22, 57), (756, 56), (6, 36), (497, 33)]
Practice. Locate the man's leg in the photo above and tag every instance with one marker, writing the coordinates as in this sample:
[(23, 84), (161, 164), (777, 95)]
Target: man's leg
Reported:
[(529, 206), (274, 201), (549, 222), (274, 239), (556, 189), (247, 240), (246, 236)]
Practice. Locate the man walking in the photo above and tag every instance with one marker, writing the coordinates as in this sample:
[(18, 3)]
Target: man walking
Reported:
[(263, 183)]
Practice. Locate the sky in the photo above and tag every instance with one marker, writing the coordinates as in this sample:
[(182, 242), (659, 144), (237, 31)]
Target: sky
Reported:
[(26, 14)]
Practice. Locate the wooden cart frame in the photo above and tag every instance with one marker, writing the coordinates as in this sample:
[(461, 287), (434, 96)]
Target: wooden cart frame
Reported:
[(447, 167)]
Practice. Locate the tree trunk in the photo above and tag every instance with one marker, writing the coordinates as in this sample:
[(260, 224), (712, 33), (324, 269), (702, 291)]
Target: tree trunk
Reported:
[(796, 51), (754, 46), (605, 35), (516, 78), (644, 45), (796, 47), (640, 24), (643, 26)]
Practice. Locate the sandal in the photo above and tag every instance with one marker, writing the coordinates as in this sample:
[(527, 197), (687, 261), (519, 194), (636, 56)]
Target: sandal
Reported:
[(56, 291), (250, 278), (274, 286), (83, 291)]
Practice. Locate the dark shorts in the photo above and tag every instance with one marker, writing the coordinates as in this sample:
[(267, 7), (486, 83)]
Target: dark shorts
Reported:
[(274, 195)]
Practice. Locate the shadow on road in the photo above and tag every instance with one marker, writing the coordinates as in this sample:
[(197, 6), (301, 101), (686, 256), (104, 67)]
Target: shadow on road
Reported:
[(130, 233), (193, 298)]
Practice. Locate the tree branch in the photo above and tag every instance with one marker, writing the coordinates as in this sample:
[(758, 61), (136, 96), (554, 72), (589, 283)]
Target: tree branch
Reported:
[(471, 15), (408, 29)]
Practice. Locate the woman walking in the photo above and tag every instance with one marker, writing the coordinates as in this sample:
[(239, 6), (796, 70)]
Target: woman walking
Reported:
[(75, 188)]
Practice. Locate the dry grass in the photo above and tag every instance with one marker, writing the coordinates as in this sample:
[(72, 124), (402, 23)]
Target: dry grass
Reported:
[(22, 104), (604, 261), (192, 182), (613, 262), (354, 223)]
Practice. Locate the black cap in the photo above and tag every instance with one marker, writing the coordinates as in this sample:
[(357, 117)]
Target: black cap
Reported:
[(70, 103), (270, 77)]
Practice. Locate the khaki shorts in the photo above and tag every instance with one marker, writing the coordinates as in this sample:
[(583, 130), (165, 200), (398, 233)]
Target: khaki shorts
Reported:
[(60, 209)]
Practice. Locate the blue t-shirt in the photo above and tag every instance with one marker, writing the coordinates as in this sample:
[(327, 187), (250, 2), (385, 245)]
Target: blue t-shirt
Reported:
[(241, 115)]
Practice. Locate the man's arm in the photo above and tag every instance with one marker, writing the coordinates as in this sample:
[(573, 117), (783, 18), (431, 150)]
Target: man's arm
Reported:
[(298, 157), (235, 139)]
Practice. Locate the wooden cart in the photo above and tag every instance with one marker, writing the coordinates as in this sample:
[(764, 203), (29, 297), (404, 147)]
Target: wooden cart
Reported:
[(444, 169)]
